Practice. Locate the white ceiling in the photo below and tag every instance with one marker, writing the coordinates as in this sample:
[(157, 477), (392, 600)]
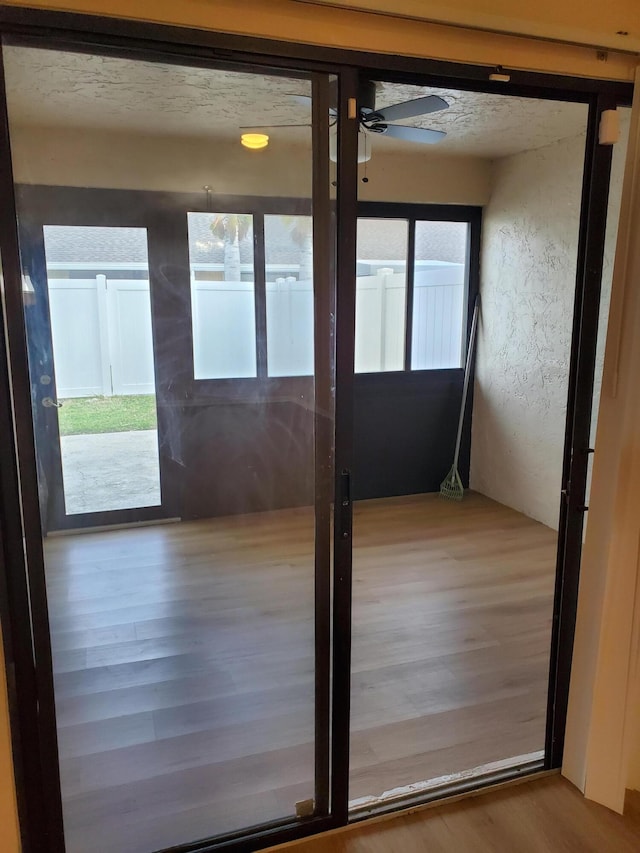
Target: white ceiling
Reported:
[(51, 88)]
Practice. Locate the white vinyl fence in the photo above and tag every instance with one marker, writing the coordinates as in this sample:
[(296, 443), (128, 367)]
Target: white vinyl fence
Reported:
[(380, 319), (438, 318), (224, 329), (102, 328), (290, 327)]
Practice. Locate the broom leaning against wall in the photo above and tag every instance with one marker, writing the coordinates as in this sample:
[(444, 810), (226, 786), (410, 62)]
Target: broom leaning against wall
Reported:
[(451, 487)]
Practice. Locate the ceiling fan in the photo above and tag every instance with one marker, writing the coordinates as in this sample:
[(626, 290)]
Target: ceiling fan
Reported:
[(379, 121)]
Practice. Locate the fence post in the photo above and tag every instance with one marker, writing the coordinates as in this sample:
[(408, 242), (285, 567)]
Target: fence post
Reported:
[(103, 327), (291, 283), (385, 274)]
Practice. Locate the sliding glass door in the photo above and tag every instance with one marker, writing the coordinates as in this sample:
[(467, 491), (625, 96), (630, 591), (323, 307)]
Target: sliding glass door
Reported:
[(217, 345), (458, 604), (178, 302)]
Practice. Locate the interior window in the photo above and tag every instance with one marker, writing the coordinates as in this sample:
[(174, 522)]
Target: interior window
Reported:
[(428, 334), (222, 295)]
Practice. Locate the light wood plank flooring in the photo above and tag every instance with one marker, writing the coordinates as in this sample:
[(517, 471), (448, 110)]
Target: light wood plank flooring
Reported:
[(183, 658), (542, 816)]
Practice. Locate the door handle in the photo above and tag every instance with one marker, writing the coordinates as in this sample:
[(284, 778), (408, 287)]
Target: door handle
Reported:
[(345, 503), (50, 403)]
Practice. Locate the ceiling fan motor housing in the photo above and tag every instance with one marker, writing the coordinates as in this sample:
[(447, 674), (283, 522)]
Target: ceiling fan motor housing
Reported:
[(366, 96)]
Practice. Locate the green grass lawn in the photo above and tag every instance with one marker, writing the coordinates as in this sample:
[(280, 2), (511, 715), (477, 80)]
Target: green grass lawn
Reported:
[(85, 415)]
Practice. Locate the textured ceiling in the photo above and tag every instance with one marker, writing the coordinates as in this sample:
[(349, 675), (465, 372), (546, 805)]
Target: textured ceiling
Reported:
[(491, 125), (51, 88)]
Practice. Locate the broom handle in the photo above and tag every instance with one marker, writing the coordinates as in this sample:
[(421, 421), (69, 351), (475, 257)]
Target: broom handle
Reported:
[(467, 373)]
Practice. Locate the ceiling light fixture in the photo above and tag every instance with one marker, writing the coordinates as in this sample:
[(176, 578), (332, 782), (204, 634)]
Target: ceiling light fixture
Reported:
[(364, 148), (254, 141)]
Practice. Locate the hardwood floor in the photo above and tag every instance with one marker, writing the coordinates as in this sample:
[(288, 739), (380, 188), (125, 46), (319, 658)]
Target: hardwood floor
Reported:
[(183, 658), (542, 816)]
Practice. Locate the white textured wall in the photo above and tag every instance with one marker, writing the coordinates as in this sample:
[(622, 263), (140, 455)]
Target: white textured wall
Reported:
[(528, 269)]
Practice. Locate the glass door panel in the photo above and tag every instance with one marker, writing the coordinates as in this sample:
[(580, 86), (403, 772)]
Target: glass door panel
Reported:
[(190, 701), (103, 393), (453, 600)]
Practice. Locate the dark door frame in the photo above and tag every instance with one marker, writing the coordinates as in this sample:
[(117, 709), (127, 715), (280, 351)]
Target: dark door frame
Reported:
[(46, 427), (30, 678), (586, 311)]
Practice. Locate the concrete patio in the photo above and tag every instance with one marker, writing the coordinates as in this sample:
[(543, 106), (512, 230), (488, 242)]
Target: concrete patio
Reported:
[(108, 471)]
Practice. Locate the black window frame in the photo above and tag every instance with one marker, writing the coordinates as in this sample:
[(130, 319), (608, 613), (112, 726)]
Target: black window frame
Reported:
[(413, 213), (258, 208)]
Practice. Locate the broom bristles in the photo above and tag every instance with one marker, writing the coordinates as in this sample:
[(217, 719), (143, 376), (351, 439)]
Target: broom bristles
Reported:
[(451, 487)]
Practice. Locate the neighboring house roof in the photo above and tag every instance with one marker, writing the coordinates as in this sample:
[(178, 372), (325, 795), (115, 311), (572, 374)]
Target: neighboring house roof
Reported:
[(382, 239), (74, 245), (435, 241)]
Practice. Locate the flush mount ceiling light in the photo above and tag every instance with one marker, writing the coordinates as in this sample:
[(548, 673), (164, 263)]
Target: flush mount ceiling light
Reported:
[(254, 141)]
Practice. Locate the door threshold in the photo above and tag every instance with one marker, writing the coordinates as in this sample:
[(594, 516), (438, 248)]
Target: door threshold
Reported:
[(450, 786)]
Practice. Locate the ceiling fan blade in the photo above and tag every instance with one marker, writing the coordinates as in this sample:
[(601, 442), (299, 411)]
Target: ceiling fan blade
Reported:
[(411, 134), (270, 126), (306, 100), (417, 107)]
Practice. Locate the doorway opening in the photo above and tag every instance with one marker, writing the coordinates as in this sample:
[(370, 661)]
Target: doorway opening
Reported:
[(101, 341), (191, 686)]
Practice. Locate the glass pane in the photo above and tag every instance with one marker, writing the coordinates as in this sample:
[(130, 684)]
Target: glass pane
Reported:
[(288, 249), (100, 314), (184, 653), (439, 295), (381, 294), (222, 295), (453, 600)]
